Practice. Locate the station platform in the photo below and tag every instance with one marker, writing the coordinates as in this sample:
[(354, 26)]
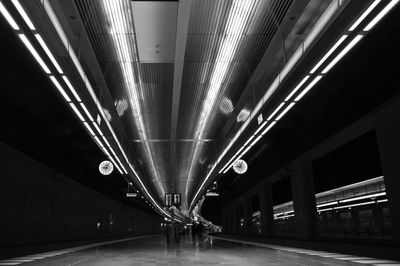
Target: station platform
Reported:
[(209, 250)]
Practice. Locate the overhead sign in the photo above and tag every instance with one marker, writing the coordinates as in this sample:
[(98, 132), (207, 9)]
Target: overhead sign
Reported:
[(168, 199), (173, 199), (131, 195), (212, 194)]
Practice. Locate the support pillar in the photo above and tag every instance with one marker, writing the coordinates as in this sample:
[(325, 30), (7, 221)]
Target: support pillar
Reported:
[(388, 136), (266, 210), (302, 182)]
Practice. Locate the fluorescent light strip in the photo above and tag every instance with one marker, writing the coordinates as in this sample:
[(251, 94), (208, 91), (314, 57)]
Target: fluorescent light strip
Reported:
[(285, 111), (49, 54), (112, 151), (364, 197), (260, 127), (98, 141), (324, 210), (106, 141), (381, 15), (333, 48), (112, 160), (89, 128), (23, 14), (122, 166), (283, 217), (248, 141), (255, 141), (98, 128), (297, 87), (34, 53), (8, 17), (362, 17), (268, 128), (244, 152), (86, 111), (383, 200), (105, 151), (309, 87), (327, 204), (355, 205), (77, 112), (342, 53), (71, 88), (60, 89), (276, 110)]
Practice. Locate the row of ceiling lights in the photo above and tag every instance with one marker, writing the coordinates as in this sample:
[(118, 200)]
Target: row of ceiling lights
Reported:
[(89, 122), (288, 103)]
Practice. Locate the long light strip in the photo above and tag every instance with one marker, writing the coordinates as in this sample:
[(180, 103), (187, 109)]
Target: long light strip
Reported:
[(23, 14), (8, 17), (364, 197), (89, 128), (67, 45), (381, 15), (333, 48), (327, 204), (71, 88), (268, 128), (73, 106), (297, 88), (342, 53), (116, 165), (238, 17), (60, 89), (276, 110), (34, 53), (106, 141), (308, 88), (98, 141), (86, 112), (354, 205), (97, 128), (364, 15), (285, 111), (47, 51)]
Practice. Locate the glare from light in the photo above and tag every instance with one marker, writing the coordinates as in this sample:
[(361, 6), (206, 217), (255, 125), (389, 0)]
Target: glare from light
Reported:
[(381, 15), (86, 111), (23, 14), (364, 197), (243, 115), (98, 141), (285, 111), (297, 87), (354, 205), (276, 110), (333, 48), (34, 53), (89, 128), (362, 17), (268, 128), (71, 88), (49, 54), (59, 88), (77, 112), (327, 204), (8, 17), (98, 128), (342, 53), (308, 88)]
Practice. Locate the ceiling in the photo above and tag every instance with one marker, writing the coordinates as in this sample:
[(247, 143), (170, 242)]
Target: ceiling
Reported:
[(173, 86)]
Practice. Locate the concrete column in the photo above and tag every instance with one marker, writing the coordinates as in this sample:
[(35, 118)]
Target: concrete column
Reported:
[(247, 211), (302, 182), (388, 137), (266, 210)]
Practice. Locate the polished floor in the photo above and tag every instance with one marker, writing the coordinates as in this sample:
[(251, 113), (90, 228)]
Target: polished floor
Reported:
[(206, 251)]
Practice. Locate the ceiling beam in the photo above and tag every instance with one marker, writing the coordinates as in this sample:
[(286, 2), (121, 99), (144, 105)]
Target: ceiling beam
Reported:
[(181, 37)]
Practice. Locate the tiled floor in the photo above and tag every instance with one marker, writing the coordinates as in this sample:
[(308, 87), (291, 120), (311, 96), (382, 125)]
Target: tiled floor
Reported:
[(208, 251)]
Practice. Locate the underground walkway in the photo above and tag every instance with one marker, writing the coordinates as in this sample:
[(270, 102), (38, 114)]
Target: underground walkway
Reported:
[(154, 250)]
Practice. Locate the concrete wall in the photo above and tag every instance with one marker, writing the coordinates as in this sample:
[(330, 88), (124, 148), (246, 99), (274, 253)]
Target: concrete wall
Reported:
[(39, 205)]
